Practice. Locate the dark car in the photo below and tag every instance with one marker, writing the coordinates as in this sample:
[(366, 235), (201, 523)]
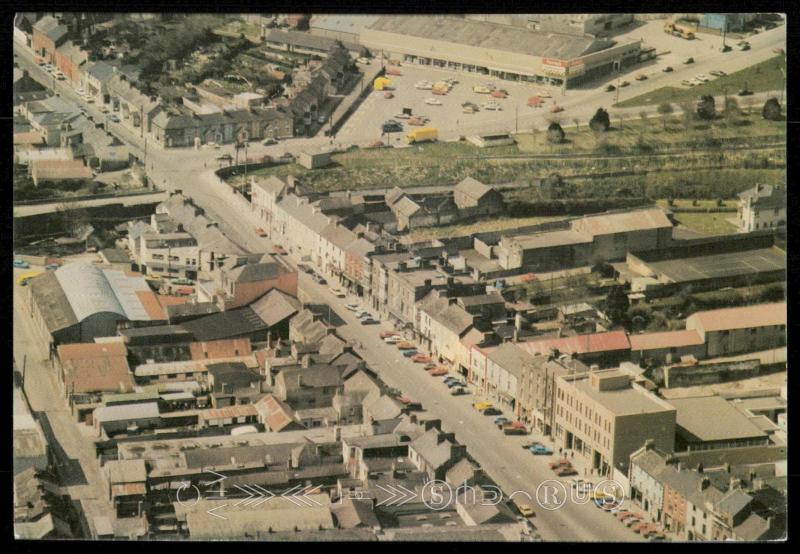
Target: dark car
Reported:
[(409, 353), (392, 127), (611, 88), (667, 69), (688, 60), (320, 279), (369, 321), (745, 92), (492, 411)]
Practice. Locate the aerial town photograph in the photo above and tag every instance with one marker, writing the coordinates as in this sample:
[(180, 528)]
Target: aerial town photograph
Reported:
[(386, 277)]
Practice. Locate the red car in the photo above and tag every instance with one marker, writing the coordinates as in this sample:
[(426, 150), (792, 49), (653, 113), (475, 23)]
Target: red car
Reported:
[(566, 471), (393, 71), (438, 371), (421, 359), (387, 334), (261, 232), (555, 465)]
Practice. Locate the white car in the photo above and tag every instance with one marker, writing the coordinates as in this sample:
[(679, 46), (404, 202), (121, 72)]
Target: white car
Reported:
[(492, 107), (337, 292), (80, 91), (353, 307), (394, 339), (701, 77), (424, 85), (433, 102)]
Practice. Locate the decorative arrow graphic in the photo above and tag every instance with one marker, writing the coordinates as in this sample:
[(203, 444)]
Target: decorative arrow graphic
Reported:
[(399, 495), (211, 511)]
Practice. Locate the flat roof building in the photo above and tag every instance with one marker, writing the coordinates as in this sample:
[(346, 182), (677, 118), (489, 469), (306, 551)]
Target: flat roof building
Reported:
[(730, 427), (604, 417)]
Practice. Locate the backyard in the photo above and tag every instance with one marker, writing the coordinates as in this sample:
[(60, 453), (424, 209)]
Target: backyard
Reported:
[(768, 75)]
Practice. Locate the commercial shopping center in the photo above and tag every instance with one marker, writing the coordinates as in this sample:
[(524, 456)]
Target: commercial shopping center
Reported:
[(495, 50)]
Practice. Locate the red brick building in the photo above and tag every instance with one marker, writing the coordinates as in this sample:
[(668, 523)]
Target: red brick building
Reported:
[(48, 35)]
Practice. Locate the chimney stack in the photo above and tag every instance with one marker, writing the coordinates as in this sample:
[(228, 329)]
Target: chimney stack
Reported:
[(306, 361), (649, 444), (337, 433), (703, 485)]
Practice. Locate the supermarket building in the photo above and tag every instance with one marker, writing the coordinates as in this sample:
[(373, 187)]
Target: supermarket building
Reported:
[(496, 50)]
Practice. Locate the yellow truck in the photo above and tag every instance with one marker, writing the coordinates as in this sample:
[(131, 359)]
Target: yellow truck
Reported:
[(381, 83), (678, 30), (422, 135), (24, 278)]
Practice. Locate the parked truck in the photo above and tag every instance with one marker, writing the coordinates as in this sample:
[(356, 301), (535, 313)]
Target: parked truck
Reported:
[(678, 30), (422, 135), (381, 83)]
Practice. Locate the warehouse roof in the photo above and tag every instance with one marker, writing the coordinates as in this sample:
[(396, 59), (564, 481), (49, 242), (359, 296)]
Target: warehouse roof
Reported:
[(251, 523), (91, 290), (622, 222), (666, 339), (694, 415), (490, 36), (549, 239), (95, 367), (744, 317), (579, 344), (125, 412), (342, 23)]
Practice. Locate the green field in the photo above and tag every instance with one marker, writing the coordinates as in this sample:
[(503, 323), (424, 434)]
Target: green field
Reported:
[(765, 76), (491, 225), (707, 223)]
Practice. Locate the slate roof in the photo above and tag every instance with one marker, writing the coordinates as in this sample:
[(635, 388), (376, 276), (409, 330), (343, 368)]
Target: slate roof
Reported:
[(430, 449), (275, 306), (765, 196), (229, 324)]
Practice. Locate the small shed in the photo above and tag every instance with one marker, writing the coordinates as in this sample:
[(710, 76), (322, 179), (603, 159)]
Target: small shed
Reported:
[(314, 160)]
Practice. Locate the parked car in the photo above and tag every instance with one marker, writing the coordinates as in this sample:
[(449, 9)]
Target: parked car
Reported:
[(717, 73), (392, 340), (337, 292), (269, 142), (526, 510), (114, 118), (320, 279), (261, 232), (369, 321), (641, 77), (456, 383), (21, 264), (409, 353), (481, 90), (701, 77), (52, 267), (433, 102), (352, 307), (438, 371), (667, 69), (383, 334), (566, 471), (492, 412), (501, 420), (458, 391), (491, 106), (392, 127), (611, 88), (745, 92), (512, 430), (429, 366), (423, 85), (405, 345), (744, 47), (280, 250), (480, 406), (421, 359), (688, 60), (624, 84), (540, 450), (725, 48)]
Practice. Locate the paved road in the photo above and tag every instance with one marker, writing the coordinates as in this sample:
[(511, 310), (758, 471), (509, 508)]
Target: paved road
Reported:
[(513, 468), (35, 209)]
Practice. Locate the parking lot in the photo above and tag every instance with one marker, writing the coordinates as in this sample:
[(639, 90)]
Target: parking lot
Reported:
[(448, 118)]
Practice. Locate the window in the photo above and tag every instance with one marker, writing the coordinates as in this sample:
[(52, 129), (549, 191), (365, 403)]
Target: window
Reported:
[(158, 256)]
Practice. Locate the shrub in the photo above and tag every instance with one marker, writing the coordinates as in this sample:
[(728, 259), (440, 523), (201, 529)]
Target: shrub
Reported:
[(772, 110), (600, 122), (555, 134), (706, 107)]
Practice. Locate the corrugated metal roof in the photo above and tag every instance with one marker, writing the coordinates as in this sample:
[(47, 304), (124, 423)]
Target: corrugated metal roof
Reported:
[(126, 412), (240, 410)]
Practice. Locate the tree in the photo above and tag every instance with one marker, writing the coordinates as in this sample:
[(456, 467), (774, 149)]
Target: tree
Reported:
[(706, 108), (600, 122), (665, 109), (772, 110), (73, 217), (604, 269), (616, 305), (555, 134), (639, 317)]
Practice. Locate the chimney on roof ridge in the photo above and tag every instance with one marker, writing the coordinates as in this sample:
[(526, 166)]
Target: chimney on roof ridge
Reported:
[(703, 484)]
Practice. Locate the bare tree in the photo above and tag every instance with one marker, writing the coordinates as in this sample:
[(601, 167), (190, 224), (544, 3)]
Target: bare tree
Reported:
[(665, 109)]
